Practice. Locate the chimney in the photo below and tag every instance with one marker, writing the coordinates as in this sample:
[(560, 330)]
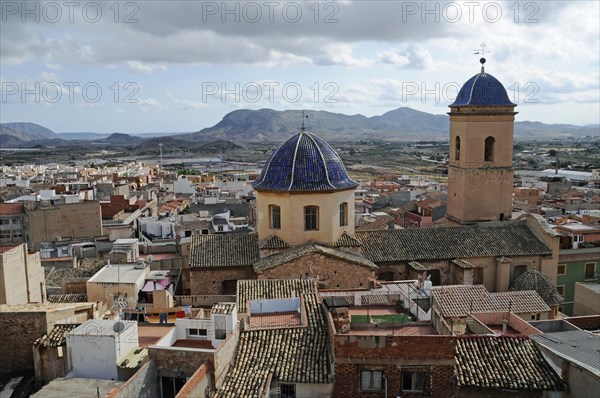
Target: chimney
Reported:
[(504, 323)]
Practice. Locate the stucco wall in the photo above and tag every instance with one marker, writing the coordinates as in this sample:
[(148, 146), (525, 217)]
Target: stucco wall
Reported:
[(292, 215)]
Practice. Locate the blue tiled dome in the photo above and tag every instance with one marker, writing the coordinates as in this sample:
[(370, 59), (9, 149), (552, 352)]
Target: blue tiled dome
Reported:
[(481, 90), (304, 163)]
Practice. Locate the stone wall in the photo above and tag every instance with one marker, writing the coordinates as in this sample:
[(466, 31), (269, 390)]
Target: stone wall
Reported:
[(332, 272), (207, 281), (174, 360), (19, 331)]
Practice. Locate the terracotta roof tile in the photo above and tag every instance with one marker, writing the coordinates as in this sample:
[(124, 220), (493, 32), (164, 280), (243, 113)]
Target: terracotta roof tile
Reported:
[(535, 280), (503, 363), (258, 289), (274, 260), (347, 241), (459, 300), (527, 301), (273, 242), (291, 355), (228, 250), (57, 336), (223, 308), (497, 239)]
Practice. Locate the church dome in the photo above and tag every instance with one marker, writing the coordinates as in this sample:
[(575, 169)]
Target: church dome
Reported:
[(535, 280), (304, 163), (482, 89)]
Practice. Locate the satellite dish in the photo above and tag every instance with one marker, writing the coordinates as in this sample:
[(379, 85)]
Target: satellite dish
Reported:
[(119, 327), (149, 258)]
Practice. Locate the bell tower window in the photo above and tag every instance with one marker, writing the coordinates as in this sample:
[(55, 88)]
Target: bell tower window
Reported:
[(488, 152), (457, 149)]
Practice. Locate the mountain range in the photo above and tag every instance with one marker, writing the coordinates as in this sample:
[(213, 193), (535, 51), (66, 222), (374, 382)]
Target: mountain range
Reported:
[(244, 125)]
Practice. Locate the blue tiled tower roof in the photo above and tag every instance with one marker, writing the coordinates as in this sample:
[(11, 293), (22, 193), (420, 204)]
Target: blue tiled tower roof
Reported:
[(482, 89), (304, 163)]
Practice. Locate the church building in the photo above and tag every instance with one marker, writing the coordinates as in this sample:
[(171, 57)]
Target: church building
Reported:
[(305, 217)]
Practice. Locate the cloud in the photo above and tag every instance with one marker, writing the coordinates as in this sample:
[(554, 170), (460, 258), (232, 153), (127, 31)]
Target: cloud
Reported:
[(415, 57), (185, 105), (146, 68)]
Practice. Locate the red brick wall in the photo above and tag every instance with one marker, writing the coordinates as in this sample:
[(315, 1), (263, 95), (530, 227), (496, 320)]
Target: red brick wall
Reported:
[(392, 355), (591, 322)]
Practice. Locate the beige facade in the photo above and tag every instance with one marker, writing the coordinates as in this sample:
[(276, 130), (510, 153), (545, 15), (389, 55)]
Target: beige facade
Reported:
[(292, 215), (75, 220), (22, 278), (587, 299), (480, 174)]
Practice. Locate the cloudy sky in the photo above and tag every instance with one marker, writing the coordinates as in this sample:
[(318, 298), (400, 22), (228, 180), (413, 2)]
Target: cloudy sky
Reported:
[(178, 66)]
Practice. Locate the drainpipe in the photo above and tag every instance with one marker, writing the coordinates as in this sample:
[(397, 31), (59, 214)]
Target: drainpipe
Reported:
[(384, 386)]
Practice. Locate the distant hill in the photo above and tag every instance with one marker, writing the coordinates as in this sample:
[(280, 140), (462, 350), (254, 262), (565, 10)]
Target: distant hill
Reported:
[(121, 139), (245, 125), (402, 124), (26, 131), (82, 136)]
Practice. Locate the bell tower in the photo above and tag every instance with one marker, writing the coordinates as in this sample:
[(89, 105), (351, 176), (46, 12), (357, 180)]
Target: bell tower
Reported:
[(480, 173)]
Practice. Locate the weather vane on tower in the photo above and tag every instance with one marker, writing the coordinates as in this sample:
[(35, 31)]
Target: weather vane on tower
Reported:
[(482, 51)]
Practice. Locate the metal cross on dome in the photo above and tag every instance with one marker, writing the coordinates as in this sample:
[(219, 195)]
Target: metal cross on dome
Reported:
[(303, 117), (482, 52)]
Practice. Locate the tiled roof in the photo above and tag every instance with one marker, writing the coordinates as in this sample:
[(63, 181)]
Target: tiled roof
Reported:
[(223, 308), (526, 301), (259, 289), (481, 90), (292, 355), (459, 300), (274, 260), (133, 358), (89, 267), (503, 363), (512, 238), (535, 280), (273, 242), (57, 336), (380, 223), (68, 298), (463, 264), (417, 266), (346, 241), (578, 346), (304, 163), (226, 250)]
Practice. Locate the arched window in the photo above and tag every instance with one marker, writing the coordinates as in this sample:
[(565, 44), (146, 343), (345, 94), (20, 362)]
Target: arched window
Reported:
[(488, 152), (311, 218), (275, 216), (457, 149), (343, 214)]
